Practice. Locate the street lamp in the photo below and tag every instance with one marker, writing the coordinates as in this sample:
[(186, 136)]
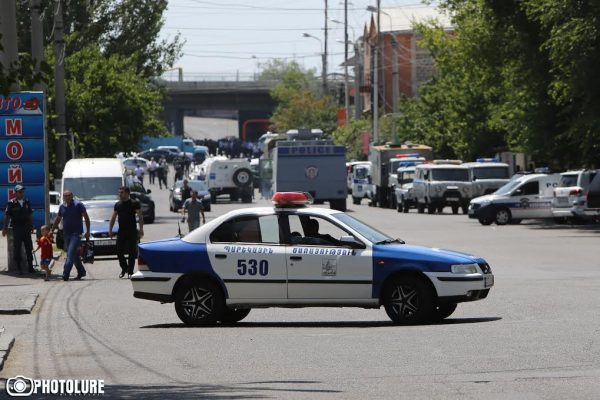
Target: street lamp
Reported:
[(323, 60)]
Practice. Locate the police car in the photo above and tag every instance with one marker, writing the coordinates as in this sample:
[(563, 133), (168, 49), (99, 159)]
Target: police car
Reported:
[(291, 255)]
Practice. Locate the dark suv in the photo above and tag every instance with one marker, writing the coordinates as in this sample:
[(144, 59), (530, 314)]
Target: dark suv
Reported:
[(139, 193), (592, 208)]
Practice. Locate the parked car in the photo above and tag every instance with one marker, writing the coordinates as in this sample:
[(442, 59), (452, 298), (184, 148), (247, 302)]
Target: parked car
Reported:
[(99, 212), (141, 194), (591, 206), (132, 163), (175, 201), (572, 188), (157, 155)]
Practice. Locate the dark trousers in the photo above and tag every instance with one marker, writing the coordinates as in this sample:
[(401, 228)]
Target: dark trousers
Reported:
[(127, 246), (23, 237), (152, 175)]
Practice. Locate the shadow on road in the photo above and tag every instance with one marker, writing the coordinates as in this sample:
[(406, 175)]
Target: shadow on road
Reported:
[(251, 390), (324, 324)]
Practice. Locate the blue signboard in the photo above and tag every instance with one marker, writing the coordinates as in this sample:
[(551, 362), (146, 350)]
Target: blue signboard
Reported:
[(22, 151)]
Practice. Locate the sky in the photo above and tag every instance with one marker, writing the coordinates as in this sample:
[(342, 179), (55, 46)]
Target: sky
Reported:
[(226, 39)]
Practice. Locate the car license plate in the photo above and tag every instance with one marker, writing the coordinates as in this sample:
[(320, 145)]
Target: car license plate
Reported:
[(452, 198), (105, 242), (488, 281)]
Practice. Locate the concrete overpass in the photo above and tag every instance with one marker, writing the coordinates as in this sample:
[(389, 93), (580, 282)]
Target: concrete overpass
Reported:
[(251, 100)]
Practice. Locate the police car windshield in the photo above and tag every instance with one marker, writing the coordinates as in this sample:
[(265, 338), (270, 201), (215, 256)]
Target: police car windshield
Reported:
[(450, 174), (361, 173), (93, 188), (568, 181), (490, 173), (369, 233), (506, 189)]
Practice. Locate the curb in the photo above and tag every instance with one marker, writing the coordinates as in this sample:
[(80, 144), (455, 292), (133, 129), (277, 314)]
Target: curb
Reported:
[(6, 343), (25, 306)]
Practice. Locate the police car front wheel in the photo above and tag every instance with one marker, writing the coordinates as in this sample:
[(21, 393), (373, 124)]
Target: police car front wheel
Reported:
[(199, 303), (408, 300)]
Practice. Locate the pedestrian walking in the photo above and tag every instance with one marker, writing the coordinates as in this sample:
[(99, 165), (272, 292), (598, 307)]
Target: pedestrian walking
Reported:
[(194, 208), (139, 173), (127, 209), (71, 213), (45, 243), (152, 166), (186, 191), (18, 215), (161, 173)]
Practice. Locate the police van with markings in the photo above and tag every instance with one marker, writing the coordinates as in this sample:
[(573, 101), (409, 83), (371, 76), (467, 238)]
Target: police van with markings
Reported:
[(525, 197), (291, 255)]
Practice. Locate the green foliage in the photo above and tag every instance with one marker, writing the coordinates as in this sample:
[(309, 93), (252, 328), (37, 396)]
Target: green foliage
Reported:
[(110, 105), (298, 105), (351, 136)]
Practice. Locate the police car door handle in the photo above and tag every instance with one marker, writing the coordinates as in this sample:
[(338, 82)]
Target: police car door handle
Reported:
[(220, 255), (295, 258)]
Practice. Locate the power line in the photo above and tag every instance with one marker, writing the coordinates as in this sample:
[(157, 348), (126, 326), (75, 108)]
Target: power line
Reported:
[(245, 29)]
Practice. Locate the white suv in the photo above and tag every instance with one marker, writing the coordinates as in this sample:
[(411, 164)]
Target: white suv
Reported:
[(228, 176), (442, 184), (572, 187)]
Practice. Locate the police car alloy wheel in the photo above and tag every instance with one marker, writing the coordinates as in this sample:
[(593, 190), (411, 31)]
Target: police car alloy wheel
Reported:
[(503, 216), (231, 316), (408, 300), (199, 303)]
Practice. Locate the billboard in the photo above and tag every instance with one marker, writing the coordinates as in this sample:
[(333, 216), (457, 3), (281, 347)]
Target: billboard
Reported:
[(23, 151)]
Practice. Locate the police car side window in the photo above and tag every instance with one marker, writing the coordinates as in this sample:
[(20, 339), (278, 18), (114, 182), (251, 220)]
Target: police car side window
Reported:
[(312, 230), (531, 188), (250, 229)]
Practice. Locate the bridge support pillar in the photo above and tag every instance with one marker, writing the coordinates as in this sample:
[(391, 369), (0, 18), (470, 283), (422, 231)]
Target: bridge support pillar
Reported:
[(174, 120)]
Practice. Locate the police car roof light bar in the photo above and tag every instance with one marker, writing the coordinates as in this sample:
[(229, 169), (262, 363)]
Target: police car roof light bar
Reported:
[(291, 199), (487, 160)]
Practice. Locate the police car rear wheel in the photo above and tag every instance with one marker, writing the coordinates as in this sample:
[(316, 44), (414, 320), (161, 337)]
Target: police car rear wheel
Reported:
[(198, 303), (443, 311), (503, 217), (242, 177), (233, 315), (408, 300)]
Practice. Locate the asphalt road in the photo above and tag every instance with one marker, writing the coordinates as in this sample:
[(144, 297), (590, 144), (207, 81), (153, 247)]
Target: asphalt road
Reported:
[(537, 335)]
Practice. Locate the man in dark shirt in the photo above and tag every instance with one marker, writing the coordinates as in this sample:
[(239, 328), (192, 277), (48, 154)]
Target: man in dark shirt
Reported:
[(186, 191), (127, 238), (18, 214), (71, 212)]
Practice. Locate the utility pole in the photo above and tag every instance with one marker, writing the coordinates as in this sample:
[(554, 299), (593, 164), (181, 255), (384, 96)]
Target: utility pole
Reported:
[(9, 56), (346, 95), (59, 84), (358, 80), (37, 39), (325, 54), (376, 79), (395, 83)]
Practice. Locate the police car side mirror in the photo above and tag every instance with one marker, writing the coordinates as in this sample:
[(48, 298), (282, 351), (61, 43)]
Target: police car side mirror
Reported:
[(148, 191), (351, 242)]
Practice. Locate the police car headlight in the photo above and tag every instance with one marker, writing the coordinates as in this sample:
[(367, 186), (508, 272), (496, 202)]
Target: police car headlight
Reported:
[(206, 197), (464, 269)]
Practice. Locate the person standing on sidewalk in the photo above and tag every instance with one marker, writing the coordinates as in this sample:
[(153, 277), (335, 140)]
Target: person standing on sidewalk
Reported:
[(127, 237), (194, 208), (152, 166), (71, 212), (18, 214)]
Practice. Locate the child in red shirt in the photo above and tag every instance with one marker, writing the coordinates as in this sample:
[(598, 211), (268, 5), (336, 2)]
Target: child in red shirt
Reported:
[(45, 243)]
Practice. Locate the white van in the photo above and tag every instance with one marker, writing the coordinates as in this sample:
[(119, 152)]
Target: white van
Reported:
[(93, 178), (529, 196), (487, 176), (361, 185)]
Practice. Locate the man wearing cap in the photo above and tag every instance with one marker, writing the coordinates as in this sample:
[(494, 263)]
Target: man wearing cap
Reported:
[(18, 214)]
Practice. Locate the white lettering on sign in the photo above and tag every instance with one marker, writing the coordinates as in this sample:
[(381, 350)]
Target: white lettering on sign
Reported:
[(14, 150), (15, 174), (14, 127)]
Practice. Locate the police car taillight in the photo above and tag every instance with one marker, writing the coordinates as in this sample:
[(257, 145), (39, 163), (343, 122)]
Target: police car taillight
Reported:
[(142, 264), (291, 199), (576, 192)]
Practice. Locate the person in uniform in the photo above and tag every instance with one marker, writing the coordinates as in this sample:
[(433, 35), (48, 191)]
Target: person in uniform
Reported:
[(18, 215)]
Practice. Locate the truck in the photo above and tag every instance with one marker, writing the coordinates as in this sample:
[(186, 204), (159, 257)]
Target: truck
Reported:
[(305, 162), (380, 156), (185, 145)]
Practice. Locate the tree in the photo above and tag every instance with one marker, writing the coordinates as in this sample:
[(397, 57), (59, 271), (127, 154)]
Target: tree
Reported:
[(351, 136)]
